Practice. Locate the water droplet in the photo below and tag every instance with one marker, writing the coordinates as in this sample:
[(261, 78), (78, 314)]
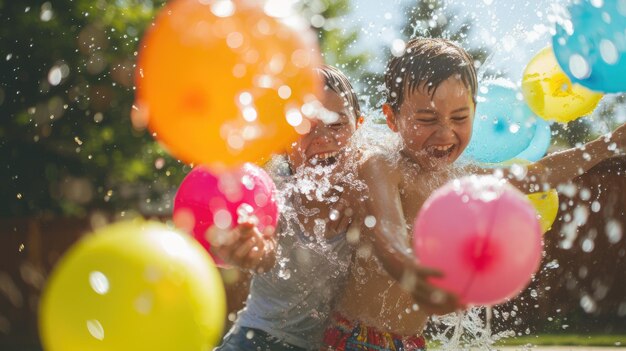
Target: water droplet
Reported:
[(318, 21), (99, 282), (223, 8), (234, 40), (397, 47), (95, 329), (614, 231), (46, 12), (588, 304), (621, 7), (284, 92), (370, 221), (552, 264), (608, 51), (579, 67), (55, 75), (294, 118), (245, 98), (587, 245), (143, 304), (595, 206), (249, 114), (597, 3), (222, 219)]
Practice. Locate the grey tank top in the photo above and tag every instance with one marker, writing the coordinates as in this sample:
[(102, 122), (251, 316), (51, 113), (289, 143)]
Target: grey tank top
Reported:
[(293, 301)]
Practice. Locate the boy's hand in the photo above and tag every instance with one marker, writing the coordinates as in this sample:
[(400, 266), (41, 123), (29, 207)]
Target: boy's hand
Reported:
[(245, 247), (429, 298)]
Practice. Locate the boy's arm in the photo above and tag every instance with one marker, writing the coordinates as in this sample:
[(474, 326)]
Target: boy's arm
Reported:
[(245, 247), (563, 166), (390, 238)]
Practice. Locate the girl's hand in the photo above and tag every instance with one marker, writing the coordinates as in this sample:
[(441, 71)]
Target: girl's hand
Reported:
[(245, 247)]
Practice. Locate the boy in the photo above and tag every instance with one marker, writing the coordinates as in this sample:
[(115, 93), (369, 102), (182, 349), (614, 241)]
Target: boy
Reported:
[(430, 104), (299, 273)]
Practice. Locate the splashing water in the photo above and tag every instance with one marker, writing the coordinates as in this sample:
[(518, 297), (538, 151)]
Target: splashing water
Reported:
[(469, 330)]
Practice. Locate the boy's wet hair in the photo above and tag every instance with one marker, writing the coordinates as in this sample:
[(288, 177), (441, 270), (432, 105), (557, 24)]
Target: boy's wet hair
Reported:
[(428, 62), (336, 81)]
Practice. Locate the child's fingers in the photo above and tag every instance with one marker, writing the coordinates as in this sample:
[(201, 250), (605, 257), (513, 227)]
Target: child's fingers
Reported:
[(340, 218), (425, 272), (343, 224), (242, 250), (219, 237), (269, 231), (254, 256), (247, 228), (435, 300)]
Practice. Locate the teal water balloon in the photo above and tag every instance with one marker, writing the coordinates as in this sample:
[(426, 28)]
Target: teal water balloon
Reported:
[(539, 144), (503, 125), (590, 46)]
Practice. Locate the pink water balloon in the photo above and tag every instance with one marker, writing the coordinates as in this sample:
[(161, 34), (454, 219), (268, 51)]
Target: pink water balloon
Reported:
[(483, 235), (218, 201)]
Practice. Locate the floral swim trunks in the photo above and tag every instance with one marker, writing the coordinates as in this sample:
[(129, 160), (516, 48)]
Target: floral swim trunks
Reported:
[(345, 335)]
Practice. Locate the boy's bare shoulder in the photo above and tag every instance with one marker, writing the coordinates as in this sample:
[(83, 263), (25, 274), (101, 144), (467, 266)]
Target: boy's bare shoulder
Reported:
[(378, 168), (376, 165)]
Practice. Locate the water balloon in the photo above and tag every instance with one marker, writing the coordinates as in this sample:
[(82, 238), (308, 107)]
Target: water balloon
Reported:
[(503, 124), (550, 93), (133, 286), (207, 200), (490, 249), (590, 45), (223, 82)]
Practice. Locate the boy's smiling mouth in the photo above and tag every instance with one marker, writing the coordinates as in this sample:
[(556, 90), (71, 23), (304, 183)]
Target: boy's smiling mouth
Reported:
[(440, 151)]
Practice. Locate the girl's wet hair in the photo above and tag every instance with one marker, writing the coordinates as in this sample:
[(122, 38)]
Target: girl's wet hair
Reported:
[(428, 62), (336, 81)]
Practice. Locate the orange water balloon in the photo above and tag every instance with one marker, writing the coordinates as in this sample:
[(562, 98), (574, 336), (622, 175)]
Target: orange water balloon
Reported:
[(222, 82)]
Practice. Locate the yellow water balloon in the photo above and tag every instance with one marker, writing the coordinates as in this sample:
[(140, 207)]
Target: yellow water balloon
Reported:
[(549, 92), (546, 203), (133, 286), (547, 206)]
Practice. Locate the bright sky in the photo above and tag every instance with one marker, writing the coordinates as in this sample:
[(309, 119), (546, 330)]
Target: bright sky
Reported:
[(515, 30)]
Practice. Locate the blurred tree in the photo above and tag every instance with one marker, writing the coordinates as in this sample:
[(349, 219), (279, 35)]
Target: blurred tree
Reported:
[(67, 141), (438, 19), (434, 19), (66, 91), (338, 40)]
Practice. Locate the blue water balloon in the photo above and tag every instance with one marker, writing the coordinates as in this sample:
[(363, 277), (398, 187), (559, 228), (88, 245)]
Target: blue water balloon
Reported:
[(503, 125), (590, 46), (539, 144)]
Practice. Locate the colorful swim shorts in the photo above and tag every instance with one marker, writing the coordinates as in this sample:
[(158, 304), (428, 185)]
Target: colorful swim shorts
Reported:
[(345, 335)]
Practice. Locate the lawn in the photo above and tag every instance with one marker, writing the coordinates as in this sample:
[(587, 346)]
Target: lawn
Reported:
[(567, 340)]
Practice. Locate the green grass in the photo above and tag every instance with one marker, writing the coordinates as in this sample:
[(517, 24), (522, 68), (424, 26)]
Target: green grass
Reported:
[(567, 340)]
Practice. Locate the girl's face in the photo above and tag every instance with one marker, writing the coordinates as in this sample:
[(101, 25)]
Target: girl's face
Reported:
[(329, 133)]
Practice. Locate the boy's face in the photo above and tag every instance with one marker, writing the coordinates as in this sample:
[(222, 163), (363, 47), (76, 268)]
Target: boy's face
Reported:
[(435, 129), (329, 133)]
